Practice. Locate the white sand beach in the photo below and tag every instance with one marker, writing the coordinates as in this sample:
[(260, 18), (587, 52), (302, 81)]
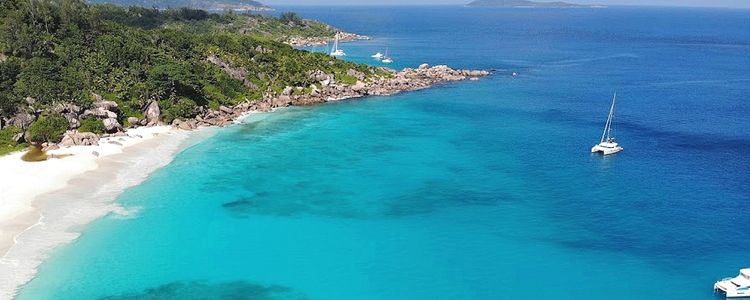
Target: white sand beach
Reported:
[(38, 205)]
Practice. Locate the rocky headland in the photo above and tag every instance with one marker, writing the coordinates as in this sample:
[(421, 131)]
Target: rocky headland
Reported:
[(320, 41), (330, 90), (327, 89)]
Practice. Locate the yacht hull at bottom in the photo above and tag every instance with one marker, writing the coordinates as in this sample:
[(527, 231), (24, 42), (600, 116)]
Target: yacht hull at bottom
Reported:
[(606, 148), (735, 287)]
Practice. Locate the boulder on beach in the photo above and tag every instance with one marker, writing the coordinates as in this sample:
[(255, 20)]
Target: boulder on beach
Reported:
[(152, 114), (225, 109), (75, 138), (112, 125), (133, 121)]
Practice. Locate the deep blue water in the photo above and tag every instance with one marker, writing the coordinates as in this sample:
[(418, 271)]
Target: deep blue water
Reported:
[(472, 190)]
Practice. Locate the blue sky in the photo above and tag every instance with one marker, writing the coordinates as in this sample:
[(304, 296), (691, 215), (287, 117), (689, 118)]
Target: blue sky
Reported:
[(711, 3)]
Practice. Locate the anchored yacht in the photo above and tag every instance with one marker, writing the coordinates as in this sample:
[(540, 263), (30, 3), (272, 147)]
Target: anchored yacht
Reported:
[(335, 51), (737, 287), (387, 59), (607, 145), (377, 55)]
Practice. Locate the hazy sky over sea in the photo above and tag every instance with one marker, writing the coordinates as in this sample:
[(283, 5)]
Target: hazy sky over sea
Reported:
[(711, 3)]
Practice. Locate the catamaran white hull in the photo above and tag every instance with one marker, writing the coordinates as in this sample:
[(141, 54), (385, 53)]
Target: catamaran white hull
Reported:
[(606, 150), (730, 291)]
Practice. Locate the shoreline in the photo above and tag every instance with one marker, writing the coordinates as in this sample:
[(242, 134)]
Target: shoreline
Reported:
[(344, 37), (121, 158), (34, 222), (329, 89)]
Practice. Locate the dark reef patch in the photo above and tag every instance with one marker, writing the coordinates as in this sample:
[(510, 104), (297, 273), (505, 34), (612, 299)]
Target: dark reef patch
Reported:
[(240, 290), (330, 202)]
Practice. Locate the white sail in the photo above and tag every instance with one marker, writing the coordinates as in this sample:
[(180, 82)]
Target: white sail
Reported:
[(335, 51), (607, 134), (386, 58)]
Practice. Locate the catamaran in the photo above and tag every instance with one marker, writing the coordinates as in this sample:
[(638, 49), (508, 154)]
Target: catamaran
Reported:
[(377, 55), (386, 58), (335, 51), (607, 145), (737, 287)]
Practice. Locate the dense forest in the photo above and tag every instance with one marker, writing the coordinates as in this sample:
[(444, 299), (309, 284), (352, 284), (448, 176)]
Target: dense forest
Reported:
[(60, 57), (199, 4)]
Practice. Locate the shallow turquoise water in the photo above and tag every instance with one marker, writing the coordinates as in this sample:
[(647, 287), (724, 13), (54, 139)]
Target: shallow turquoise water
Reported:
[(473, 190)]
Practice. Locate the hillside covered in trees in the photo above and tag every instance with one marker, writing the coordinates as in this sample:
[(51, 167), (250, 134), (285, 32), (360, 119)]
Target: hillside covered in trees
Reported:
[(65, 64), (199, 4)]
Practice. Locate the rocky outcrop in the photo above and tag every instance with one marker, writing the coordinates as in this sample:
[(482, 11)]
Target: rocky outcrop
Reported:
[(107, 105), (104, 110), (112, 125), (133, 121), (298, 41), (22, 120), (75, 138), (49, 146), (73, 122), (152, 114), (185, 125), (19, 137), (234, 72), (328, 89)]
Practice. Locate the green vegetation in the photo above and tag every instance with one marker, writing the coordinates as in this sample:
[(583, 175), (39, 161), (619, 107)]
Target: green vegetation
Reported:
[(47, 128), (91, 125), (204, 4), (61, 51), (7, 145)]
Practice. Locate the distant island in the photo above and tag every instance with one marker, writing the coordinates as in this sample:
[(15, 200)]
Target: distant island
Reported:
[(239, 5), (524, 3)]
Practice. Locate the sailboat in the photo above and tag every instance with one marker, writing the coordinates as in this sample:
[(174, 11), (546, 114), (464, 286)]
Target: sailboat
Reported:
[(335, 51), (387, 59), (377, 55), (607, 145)]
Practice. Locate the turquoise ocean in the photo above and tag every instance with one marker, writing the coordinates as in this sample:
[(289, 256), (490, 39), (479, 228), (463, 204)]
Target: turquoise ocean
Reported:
[(471, 190)]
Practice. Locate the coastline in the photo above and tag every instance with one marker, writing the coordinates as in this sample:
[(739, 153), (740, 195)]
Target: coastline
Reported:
[(33, 221), (345, 37), (125, 161), (330, 89)]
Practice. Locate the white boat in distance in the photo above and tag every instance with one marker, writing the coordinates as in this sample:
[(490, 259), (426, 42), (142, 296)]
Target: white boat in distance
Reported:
[(737, 287), (607, 145), (386, 58), (335, 51), (377, 55)]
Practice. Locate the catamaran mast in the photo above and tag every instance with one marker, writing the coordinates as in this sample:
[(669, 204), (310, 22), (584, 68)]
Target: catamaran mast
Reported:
[(608, 126)]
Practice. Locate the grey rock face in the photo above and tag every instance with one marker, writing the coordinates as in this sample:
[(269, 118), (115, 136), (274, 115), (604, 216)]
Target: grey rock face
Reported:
[(107, 105), (287, 91), (133, 121), (75, 138), (225, 109), (112, 125), (73, 122), (22, 120), (19, 137), (153, 114)]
